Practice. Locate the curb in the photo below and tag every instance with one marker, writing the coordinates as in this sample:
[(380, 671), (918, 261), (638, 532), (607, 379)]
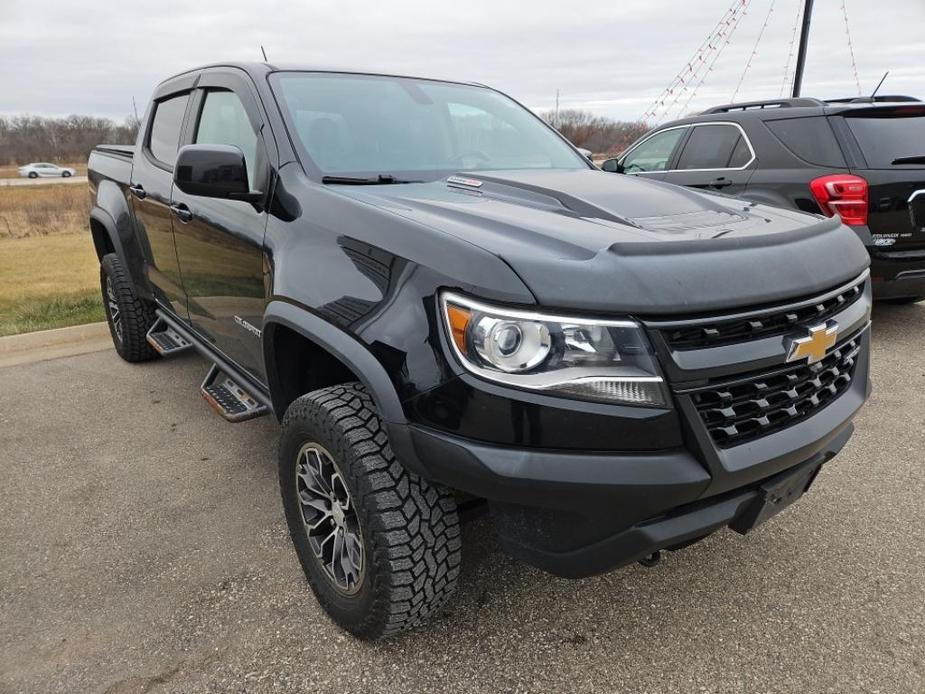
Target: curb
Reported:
[(52, 344)]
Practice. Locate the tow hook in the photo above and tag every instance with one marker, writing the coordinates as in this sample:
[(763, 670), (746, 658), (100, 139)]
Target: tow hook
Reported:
[(652, 559)]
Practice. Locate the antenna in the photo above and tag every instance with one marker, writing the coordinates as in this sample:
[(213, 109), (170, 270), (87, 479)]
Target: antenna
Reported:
[(264, 53), (135, 109), (880, 84)]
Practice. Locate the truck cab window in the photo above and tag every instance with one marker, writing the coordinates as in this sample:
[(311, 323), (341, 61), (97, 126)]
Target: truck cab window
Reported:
[(224, 122), (165, 128)]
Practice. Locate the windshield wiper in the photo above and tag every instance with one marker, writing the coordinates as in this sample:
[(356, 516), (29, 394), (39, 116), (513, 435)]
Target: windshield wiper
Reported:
[(917, 159), (381, 179)]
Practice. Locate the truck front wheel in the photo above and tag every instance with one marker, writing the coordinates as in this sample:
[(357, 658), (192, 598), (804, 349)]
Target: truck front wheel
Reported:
[(129, 316), (379, 545)]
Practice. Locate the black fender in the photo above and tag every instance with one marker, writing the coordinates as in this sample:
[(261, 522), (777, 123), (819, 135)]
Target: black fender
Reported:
[(111, 214), (351, 352)]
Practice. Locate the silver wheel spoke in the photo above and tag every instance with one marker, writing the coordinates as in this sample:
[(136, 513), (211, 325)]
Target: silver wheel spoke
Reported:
[(328, 517)]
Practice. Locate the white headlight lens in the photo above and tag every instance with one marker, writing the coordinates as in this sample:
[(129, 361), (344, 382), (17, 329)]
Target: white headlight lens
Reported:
[(511, 345), (583, 358)]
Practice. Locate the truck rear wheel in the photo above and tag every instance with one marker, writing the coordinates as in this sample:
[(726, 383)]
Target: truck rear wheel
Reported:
[(380, 546), (129, 316)]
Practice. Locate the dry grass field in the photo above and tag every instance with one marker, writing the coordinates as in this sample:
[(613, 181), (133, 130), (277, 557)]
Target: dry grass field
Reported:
[(38, 210), (48, 269)]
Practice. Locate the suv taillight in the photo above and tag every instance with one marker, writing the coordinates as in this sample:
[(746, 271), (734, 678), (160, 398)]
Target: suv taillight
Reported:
[(842, 194)]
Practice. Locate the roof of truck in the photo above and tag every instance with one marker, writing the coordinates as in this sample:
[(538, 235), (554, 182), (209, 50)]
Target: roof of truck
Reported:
[(260, 69)]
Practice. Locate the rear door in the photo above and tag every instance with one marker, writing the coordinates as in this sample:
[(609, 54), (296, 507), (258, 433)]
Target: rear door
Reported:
[(220, 242), (715, 156), (151, 186), (889, 149)]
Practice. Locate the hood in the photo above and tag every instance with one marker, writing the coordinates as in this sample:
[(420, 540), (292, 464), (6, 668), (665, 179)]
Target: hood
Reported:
[(596, 241)]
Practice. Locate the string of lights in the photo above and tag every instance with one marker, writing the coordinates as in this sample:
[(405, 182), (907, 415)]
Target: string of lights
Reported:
[(754, 53), (728, 39), (693, 66), (854, 64), (793, 41)]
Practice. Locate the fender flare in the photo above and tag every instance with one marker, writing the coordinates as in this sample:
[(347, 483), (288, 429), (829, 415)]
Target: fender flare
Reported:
[(338, 343), (356, 356)]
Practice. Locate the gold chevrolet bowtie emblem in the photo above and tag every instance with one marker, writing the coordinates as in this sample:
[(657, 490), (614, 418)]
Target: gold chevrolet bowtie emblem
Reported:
[(813, 346)]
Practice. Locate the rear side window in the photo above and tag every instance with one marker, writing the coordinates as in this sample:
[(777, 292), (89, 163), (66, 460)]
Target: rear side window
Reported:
[(714, 147), (165, 128), (893, 135), (810, 139)]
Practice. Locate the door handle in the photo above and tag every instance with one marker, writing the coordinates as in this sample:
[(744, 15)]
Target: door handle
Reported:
[(182, 211), (721, 182), (138, 191)]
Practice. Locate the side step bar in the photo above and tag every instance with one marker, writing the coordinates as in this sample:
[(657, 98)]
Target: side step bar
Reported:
[(227, 389), (228, 398), (165, 340)]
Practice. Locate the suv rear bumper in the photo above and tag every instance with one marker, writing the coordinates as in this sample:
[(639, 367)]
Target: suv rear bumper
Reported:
[(896, 277), (581, 513)]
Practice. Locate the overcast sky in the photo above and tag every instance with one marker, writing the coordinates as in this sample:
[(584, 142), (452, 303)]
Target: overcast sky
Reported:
[(610, 56)]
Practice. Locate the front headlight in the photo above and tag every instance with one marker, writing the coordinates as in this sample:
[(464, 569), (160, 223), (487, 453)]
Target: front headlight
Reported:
[(583, 358)]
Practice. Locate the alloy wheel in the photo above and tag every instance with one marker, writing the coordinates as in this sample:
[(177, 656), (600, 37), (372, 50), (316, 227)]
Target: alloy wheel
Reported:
[(329, 518), (113, 307)]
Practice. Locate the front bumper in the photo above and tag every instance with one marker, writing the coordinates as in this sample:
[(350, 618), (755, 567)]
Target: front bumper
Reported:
[(578, 514), (582, 510)]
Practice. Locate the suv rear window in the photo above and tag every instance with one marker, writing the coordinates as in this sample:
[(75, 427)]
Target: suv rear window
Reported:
[(889, 134), (811, 139)]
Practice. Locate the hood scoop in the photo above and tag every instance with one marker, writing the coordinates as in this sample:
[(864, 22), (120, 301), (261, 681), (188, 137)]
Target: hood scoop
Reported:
[(687, 222), (537, 195)]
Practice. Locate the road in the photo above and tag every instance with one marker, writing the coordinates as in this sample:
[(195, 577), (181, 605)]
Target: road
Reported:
[(143, 548), (41, 181)]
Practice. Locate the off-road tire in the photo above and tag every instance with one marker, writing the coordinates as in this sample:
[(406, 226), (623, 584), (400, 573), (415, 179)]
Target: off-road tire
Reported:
[(410, 527), (136, 315)]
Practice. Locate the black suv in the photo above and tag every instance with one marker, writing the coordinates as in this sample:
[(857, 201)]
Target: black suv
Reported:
[(444, 302), (862, 159)]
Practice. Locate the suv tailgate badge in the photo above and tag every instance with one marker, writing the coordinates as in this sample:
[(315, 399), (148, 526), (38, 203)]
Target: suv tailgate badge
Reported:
[(813, 347)]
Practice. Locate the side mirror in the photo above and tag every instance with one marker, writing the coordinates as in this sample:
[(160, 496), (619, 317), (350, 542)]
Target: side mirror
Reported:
[(586, 153), (213, 171), (613, 166)]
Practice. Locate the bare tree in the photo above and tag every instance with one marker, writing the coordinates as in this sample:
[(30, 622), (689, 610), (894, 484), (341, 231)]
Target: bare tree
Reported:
[(35, 138), (599, 134)]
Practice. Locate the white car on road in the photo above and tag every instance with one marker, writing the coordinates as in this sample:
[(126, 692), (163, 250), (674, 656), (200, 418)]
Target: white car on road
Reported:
[(45, 169)]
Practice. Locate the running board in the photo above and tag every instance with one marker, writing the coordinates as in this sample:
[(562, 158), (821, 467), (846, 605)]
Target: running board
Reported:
[(229, 398), (165, 340)]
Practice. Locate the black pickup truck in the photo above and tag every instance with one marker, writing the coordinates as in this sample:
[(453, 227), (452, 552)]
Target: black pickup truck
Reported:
[(449, 308)]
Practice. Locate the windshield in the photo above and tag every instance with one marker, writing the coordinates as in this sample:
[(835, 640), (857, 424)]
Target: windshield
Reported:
[(888, 135), (367, 125)]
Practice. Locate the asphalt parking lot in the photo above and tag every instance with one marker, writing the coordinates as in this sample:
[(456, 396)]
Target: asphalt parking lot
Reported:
[(143, 548)]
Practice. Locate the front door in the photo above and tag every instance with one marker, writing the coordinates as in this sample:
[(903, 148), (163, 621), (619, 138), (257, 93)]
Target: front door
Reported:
[(151, 186), (717, 157), (219, 241)]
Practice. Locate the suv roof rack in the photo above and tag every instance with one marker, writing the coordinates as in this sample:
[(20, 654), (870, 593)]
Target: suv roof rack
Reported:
[(774, 103), (873, 99)]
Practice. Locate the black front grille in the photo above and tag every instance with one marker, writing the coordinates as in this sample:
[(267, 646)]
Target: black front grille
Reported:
[(754, 405), (760, 324)]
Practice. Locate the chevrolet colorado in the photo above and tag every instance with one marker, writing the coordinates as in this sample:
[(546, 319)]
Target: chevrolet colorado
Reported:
[(447, 305)]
